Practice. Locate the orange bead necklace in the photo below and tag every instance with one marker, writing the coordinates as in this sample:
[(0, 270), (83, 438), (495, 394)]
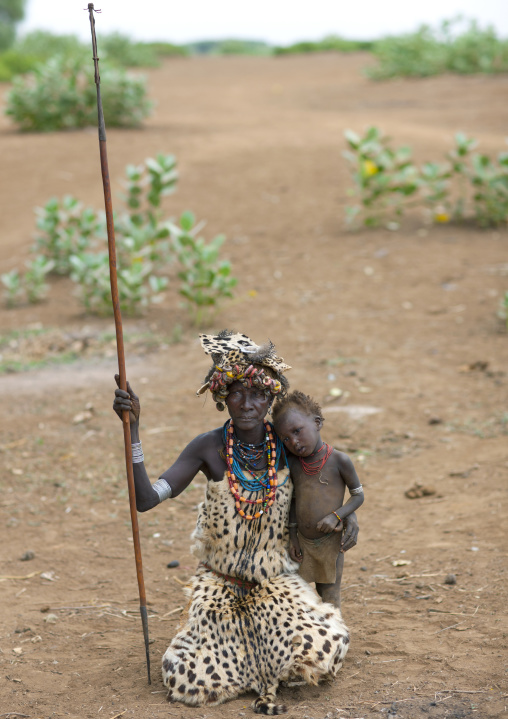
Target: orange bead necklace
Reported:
[(269, 492)]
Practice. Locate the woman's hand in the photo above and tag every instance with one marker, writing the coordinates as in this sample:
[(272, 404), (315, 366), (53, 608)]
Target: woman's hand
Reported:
[(126, 401), (294, 550), (329, 524), (350, 536)]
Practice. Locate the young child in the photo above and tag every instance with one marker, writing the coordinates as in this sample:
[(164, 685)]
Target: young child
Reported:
[(320, 475)]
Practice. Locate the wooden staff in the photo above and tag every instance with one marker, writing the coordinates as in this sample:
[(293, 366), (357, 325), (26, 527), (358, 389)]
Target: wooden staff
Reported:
[(119, 340)]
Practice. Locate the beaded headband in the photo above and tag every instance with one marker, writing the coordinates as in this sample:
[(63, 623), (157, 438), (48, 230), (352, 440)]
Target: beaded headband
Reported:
[(237, 358)]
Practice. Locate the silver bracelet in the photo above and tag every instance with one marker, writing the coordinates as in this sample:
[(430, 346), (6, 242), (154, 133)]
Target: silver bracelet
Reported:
[(356, 490), (292, 525), (163, 489), (137, 453)]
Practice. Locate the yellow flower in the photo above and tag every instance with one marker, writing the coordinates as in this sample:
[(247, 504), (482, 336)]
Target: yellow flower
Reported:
[(370, 168), (441, 217)]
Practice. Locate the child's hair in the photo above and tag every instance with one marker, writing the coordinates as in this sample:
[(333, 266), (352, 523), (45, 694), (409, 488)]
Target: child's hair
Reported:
[(296, 400)]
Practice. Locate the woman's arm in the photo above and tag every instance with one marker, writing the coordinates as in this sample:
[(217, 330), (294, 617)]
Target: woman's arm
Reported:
[(177, 477)]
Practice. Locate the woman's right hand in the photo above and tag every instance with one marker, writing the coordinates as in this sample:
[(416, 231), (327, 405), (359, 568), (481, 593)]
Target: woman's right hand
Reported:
[(126, 401)]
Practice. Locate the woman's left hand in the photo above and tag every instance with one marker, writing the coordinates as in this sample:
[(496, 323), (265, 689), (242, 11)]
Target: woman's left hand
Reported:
[(350, 536)]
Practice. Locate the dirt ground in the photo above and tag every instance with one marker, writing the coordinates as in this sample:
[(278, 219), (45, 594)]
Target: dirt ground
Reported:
[(404, 323)]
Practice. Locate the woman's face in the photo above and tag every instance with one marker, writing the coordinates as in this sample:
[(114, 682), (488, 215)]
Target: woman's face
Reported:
[(247, 406)]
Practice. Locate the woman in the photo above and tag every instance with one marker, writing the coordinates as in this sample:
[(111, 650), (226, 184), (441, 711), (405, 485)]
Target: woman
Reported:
[(251, 622)]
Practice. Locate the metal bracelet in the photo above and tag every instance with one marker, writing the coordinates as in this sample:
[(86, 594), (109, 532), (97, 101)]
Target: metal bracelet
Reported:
[(356, 490), (163, 489), (137, 453), (291, 525)]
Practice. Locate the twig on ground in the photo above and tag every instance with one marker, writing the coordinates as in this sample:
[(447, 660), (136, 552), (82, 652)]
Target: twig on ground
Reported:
[(457, 614), (118, 715), (173, 611), (24, 576), (450, 627), (179, 581)]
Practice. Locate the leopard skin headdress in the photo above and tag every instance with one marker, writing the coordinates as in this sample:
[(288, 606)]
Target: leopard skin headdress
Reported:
[(237, 358)]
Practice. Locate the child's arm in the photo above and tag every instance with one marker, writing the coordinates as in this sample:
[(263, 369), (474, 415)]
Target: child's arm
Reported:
[(333, 522)]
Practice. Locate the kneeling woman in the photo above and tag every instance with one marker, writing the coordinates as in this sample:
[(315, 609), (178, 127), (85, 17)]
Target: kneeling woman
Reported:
[(251, 622)]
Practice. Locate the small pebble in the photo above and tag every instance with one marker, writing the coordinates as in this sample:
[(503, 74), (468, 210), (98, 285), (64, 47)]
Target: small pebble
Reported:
[(450, 579), (363, 569), (27, 556), (173, 564)]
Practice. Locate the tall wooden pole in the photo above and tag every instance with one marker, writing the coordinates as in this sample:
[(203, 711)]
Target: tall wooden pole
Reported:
[(119, 341)]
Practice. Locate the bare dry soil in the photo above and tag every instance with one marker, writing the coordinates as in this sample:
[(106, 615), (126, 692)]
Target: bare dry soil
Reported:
[(404, 323)]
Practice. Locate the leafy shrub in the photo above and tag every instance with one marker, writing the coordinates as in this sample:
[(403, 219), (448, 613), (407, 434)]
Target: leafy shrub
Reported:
[(146, 243), (66, 228), (387, 182), (431, 51), (121, 50), (206, 280), (44, 45), (168, 49), (29, 287), (503, 309), (13, 62), (328, 44), (61, 94), (229, 47), (384, 177)]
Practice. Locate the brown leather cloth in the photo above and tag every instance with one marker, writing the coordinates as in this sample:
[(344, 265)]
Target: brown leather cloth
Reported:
[(320, 558)]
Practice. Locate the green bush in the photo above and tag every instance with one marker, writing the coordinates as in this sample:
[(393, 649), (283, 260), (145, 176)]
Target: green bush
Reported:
[(61, 94), (168, 49), (387, 182), (331, 43), (431, 51), (230, 46), (206, 280), (147, 245), (121, 50), (29, 287), (44, 45)]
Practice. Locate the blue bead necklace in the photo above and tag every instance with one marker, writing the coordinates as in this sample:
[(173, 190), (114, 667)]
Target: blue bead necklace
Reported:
[(252, 454)]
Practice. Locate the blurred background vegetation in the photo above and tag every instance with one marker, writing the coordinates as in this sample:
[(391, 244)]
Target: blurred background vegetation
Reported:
[(457, 45)]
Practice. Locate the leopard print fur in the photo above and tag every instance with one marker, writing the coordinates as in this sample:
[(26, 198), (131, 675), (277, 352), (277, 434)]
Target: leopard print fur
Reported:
[(232, 639)]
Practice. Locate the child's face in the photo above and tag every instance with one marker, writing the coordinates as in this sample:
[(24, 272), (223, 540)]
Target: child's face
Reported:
[(299, 432)]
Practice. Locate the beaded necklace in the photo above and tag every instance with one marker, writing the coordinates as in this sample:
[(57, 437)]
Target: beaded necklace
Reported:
[(267, 482), (316, 465)]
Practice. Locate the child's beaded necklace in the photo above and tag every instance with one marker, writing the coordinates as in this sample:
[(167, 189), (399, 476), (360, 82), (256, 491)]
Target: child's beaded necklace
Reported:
[(315, 466), (252, 455)]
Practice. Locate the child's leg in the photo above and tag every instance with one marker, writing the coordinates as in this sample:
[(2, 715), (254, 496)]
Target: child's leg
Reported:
[(331, 592)]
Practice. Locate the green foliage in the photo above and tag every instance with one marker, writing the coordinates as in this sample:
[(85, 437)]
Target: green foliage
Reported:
[(11, 13), (431, 51), (147, 245), (168, 49), (61, 94), (137, 286), (29, 287), (230, 46), (66, 228), (331, 43), (44, 45), (387, 182), (121, 50), (206, 280), (503, 309), (384, 178)]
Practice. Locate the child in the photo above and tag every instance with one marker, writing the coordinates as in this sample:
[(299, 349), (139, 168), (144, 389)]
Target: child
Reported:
[(320, 475)]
